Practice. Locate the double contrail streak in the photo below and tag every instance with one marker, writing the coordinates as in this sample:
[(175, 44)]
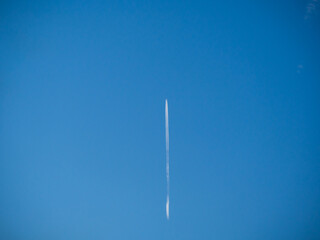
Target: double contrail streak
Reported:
[(167, 159)]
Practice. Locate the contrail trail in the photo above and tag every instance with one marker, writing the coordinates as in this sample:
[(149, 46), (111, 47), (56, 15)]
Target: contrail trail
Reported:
[(167, 159)]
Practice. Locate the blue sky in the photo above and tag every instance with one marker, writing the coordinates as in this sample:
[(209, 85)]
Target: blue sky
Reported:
[(82, 132)]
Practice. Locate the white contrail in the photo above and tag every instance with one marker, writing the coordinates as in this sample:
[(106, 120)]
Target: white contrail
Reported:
[(167, 159)]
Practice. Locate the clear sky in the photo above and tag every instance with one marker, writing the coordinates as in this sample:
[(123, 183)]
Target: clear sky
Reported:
[(82, 119)]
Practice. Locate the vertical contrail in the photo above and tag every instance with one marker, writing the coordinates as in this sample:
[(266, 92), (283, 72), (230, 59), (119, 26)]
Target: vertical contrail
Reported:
[(167, 159)]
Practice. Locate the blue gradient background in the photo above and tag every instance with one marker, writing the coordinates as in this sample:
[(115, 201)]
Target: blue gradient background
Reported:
[(82, 138)]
